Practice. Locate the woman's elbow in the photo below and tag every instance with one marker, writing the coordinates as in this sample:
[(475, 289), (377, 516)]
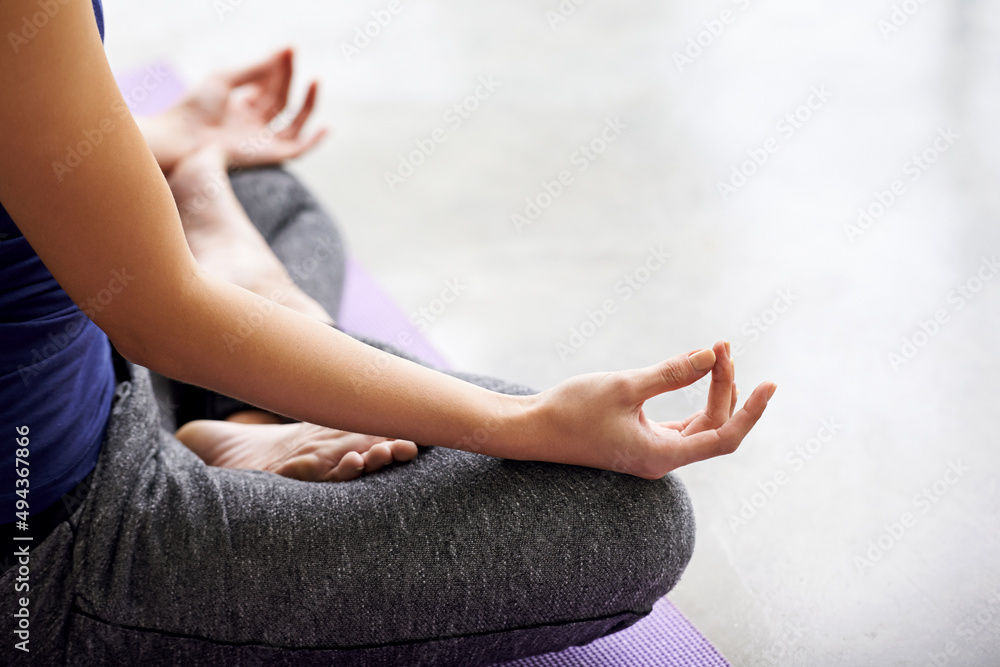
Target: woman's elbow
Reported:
[(133, 347)]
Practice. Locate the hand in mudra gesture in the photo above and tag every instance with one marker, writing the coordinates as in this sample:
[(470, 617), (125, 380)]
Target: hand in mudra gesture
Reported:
[(235, 110), (597, 419)]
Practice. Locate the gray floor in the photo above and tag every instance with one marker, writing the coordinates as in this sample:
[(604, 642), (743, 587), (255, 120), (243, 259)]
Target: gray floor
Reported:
[(858, 523)]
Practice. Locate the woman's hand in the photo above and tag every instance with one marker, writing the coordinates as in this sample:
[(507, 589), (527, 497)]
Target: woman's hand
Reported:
[(597, 420), (235, 110)]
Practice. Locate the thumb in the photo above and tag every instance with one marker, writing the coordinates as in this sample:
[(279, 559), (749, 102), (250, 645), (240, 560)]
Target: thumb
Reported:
[(674, 373)]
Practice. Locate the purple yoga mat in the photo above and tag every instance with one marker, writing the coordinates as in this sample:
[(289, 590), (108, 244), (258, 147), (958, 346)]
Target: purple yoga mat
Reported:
[(663, 639), (365, 309)]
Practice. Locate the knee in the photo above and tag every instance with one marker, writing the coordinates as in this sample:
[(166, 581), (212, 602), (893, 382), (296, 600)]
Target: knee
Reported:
[(660, 536), (675, 531)]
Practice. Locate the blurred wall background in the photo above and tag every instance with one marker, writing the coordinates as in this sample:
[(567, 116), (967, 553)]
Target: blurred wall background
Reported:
[(815, 181)]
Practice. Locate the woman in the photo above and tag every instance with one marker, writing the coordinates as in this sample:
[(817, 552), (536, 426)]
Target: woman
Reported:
[(450, 558)]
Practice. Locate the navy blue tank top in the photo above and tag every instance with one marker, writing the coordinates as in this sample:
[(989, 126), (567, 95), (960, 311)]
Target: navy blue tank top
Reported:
[(56, 377)]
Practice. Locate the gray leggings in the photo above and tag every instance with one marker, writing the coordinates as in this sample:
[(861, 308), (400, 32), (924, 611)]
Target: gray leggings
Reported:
[(450, 559)]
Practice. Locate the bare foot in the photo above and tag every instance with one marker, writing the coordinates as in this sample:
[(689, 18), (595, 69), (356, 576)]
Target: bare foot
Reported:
[(223, 239), (301, 451)]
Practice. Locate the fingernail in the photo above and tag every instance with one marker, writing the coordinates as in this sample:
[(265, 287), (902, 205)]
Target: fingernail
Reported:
[(774, 388), (702, 359), (729, 349)]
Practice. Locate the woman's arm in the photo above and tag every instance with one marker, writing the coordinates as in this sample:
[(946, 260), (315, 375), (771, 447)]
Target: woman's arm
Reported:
[(106, 218)]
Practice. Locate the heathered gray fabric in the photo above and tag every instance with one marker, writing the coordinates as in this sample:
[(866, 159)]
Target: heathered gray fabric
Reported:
[(451, 559)]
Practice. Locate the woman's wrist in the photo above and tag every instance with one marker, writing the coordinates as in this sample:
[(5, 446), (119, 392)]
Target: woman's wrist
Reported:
[(515, 427), (169, 137)]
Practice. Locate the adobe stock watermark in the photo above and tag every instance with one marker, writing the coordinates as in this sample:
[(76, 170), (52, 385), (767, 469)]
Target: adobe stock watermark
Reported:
[(626, 461), (985, 619), (581, 159), (219, 180), (207, 192), (795, 460), (594, 320), (326, 248), (257, 142), (480, 436), (61, 339), (424, 317), (153, 78), (789, 636), (454, 117), (30, 25), (223, 7), (921, 503), (884, 199), (264, 306), (712, 30), (753, 329), (563, 11), (957, 299), (899, 17), (252, 321), (373, 370), (786, 128), (365, 34), (91, 138)]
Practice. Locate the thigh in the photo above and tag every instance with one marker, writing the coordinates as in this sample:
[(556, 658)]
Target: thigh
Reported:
[(451, 558)]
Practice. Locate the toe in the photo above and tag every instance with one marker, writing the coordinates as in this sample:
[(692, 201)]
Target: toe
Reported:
[(403, 450), (350, 467), (377, 457), (305, 468)]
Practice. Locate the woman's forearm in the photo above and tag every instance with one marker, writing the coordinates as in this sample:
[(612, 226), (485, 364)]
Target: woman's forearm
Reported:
[(242, 345)]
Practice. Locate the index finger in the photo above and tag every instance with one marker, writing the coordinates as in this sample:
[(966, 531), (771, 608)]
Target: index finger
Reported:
[(727, 438), (257, 70)]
